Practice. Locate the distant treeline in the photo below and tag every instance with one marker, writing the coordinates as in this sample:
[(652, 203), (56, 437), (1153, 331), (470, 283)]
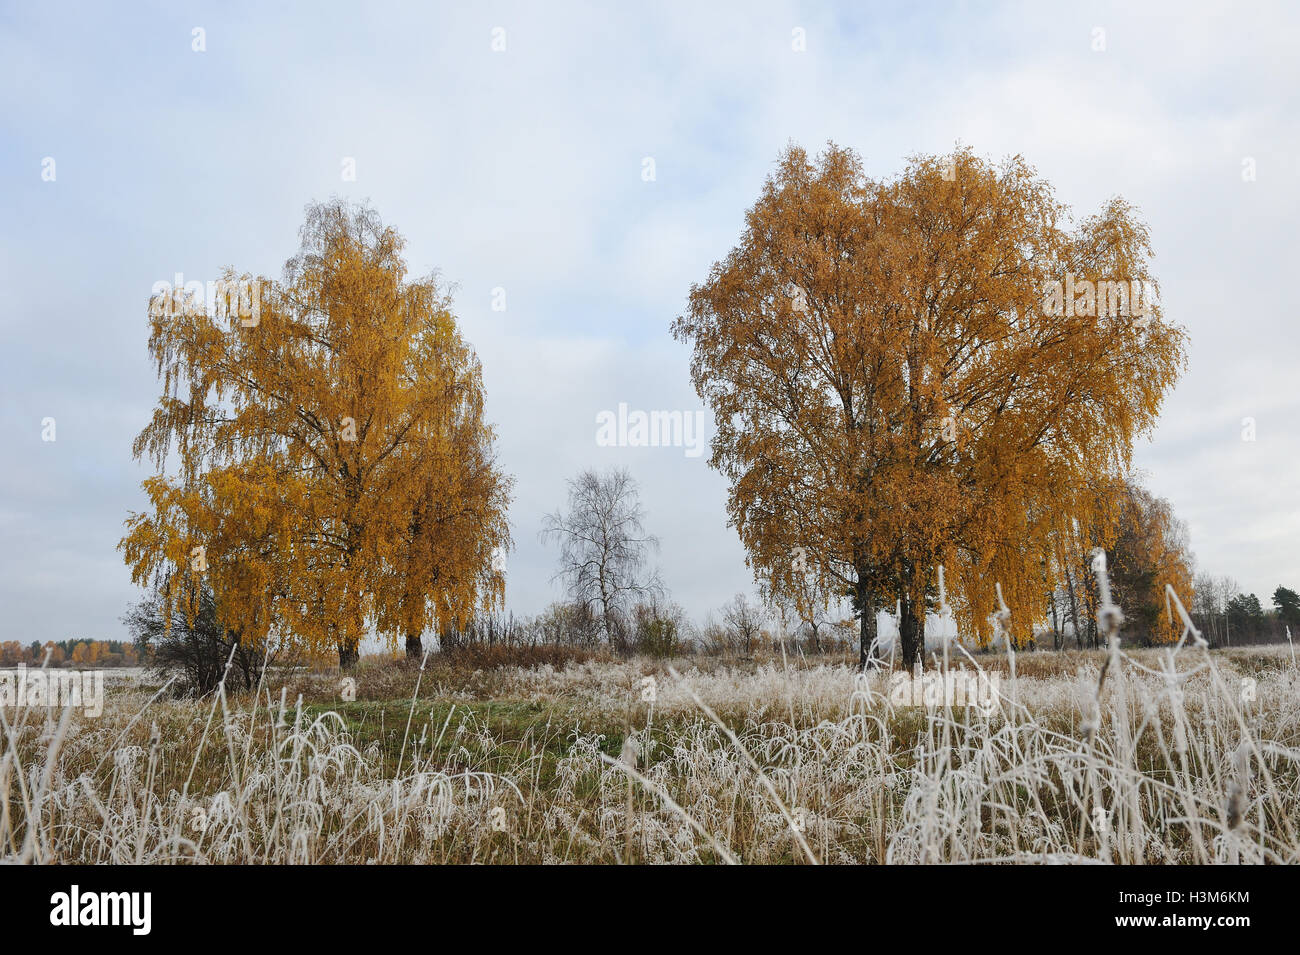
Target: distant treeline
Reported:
[(1228, 617), (71, 653)]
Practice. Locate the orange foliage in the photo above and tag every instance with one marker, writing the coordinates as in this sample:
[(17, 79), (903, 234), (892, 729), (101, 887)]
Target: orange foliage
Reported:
[(892, 391), (333, 471), (1149, 552)]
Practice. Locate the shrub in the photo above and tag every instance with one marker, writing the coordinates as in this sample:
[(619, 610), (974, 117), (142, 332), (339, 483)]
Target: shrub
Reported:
[(197, 650)]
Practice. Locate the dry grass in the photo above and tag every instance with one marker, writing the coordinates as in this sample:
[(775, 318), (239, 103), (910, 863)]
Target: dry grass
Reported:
[(764, 761)]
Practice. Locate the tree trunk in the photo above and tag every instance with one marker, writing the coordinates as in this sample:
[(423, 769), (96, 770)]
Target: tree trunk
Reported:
[(414, 648), (1074, 608), (911, 631), (349, 654), (867, 626), (1056, 627)]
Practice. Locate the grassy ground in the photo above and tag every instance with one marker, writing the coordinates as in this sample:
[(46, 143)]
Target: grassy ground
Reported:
[(1187, 756)]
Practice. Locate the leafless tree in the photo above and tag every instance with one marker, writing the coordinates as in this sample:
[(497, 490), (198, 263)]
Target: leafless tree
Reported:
[(744, 621), (811, 616), (604, 547), (1205, 604), (1210, 606)]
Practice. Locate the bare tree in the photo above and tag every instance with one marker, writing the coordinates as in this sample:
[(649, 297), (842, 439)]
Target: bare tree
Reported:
[(202, 650), (1211, 597), (1205, 605), (1225, 590), (604, 547), (810, 612), (745, 622)]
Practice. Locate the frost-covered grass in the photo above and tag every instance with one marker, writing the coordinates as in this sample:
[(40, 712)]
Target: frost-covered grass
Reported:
[(1178, 759)]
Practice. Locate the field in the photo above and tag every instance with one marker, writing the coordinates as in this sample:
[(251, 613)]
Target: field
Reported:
[(1186, 756)]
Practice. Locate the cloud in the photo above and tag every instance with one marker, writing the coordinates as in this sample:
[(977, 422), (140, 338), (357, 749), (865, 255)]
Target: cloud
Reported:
[(522, 170)]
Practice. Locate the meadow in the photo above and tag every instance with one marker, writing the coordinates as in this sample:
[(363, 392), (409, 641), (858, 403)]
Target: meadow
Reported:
[(1177, 755)]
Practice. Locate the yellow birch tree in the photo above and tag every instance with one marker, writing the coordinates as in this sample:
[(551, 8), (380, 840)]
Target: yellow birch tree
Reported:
[(323, 462), (921, 371)]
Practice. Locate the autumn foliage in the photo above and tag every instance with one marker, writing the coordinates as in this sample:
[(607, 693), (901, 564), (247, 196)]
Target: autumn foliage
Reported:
[(899, 383), (1150, 552), (324, 464)]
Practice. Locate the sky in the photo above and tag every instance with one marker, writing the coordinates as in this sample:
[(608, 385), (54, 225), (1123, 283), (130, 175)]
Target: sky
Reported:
[(509, 144)]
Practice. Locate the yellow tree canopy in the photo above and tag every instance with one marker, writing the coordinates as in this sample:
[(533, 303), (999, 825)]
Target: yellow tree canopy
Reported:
[(331, 470), (898, 384), (1149, 552)]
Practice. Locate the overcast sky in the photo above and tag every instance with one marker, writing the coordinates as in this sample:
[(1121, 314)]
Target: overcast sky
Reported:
[(522, 169)]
